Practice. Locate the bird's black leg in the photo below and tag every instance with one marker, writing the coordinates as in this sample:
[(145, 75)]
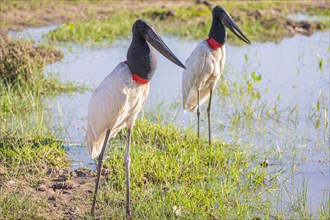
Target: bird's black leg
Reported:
[(99, 168), (209, 115), (127, 169), (198, 113)]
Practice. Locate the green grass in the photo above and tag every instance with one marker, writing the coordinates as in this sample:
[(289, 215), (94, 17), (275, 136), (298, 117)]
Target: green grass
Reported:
[(95, 30), (26, 158), (190, 22), (15, 206), (24, 99), (29, 150), (171, 168), (30, 156), (98, 21)]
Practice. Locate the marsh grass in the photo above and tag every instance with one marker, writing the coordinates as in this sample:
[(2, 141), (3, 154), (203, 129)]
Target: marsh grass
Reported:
[(16, 206), (176, 176), (21, 62), (263, 23), (22, 80), (173, 175), (29, 150), (319, 116), (26, 158), (30, 156), (274, 132), (269, 135), (95, 30), (243, 103)]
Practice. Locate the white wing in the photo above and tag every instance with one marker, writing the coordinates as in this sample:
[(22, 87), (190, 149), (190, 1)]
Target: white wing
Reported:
[(203, 69), (114, 104)]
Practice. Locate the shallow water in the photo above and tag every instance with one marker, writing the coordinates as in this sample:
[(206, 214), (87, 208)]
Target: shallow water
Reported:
[(303, 17), (289, 69)]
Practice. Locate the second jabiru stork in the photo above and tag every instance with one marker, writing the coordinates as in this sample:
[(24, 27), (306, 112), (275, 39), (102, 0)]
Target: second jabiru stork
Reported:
[(206, 63), (116, 102)]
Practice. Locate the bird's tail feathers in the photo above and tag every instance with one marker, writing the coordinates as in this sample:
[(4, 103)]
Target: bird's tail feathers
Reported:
[(94, 144)]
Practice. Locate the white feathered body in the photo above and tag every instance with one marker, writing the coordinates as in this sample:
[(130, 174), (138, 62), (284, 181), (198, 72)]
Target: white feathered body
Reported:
[(113, 105), (203, 69)]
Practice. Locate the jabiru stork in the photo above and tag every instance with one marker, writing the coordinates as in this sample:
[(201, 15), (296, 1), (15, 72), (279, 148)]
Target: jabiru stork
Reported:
[(116, 102), (206, 63)]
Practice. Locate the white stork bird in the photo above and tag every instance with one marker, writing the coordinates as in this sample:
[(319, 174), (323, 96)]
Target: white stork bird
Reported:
[(116, 102), (206, 63)]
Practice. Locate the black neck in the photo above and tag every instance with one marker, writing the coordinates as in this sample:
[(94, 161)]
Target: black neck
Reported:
[(141, 59), (218, 31)]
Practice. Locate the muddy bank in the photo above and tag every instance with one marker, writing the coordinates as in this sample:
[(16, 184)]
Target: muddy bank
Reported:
[(59, 194)]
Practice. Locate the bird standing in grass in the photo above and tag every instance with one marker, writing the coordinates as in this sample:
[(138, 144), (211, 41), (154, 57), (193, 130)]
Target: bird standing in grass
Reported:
[(116, 102), (206, 63)]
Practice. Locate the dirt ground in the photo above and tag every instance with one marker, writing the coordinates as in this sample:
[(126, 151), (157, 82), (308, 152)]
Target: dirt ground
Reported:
[(61, 194), (19, 15)]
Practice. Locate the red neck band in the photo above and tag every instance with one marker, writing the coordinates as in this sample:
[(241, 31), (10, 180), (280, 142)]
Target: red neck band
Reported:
[(213, 43), (138, 79)]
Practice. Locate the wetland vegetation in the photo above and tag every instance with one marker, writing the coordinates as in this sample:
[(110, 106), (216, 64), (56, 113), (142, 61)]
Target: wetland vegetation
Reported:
[(173, 175)]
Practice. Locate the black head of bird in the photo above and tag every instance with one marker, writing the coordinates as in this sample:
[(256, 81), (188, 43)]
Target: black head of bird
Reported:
[(140, 57), (222, 19)]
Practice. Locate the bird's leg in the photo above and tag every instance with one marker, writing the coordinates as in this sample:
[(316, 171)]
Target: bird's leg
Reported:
[(209, 115), (99, 168), (198, 113), (127, 169)]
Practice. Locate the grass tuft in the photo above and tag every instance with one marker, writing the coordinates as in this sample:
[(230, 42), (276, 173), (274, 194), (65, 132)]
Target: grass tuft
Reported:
[(22, 80), (14, 206), (175, 175), (30, 156), (21, 62)]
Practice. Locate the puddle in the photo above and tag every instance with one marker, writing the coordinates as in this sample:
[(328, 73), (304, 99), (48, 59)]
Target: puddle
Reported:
[(289, 69), (34, 34), (305, 17)]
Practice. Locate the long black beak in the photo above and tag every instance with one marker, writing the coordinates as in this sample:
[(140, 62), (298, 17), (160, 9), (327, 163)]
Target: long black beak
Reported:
[(154, 39), (230, 23)]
